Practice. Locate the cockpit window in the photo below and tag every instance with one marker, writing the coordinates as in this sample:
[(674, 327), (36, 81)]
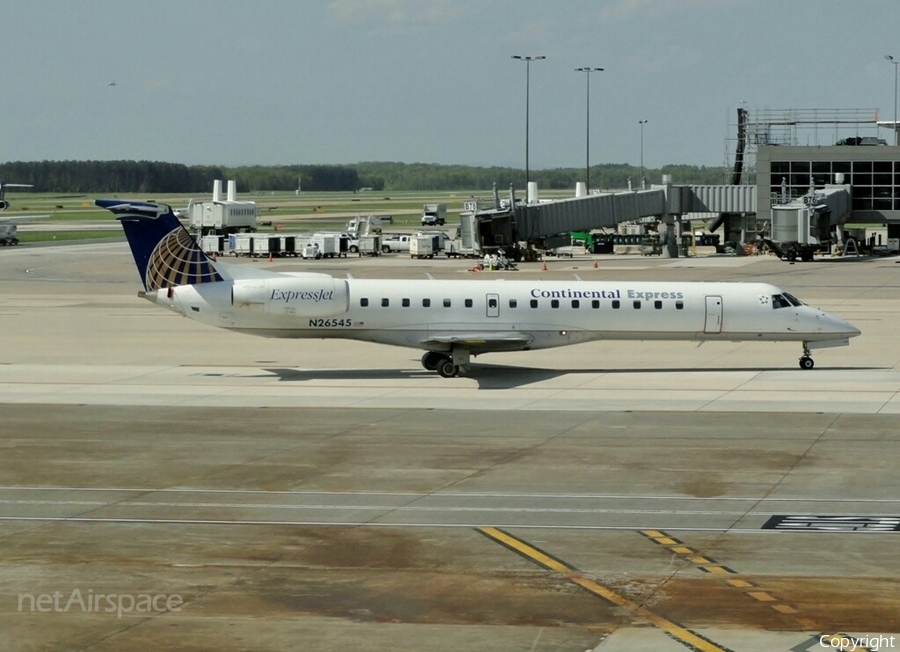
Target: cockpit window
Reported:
[(785, 300)]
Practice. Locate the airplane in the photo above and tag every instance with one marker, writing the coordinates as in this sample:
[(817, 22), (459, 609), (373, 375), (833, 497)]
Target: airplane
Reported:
[(9, 231), (3, 186), (112, 83), (453, 321)]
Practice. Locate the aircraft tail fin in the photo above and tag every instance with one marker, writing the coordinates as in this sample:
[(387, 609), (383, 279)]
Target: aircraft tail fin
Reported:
[(166, 255)]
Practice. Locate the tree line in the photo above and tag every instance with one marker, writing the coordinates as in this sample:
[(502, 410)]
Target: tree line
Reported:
[(150, 177)]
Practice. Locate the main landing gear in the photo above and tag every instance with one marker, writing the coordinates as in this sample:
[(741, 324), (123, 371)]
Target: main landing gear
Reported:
[(447, 365), (806, 361)]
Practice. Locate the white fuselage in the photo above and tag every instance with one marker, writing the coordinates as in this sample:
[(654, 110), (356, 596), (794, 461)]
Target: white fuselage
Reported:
[(494, 315)]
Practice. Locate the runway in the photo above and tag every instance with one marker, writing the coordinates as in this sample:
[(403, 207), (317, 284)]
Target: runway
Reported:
[(321, 495), (406, 509)]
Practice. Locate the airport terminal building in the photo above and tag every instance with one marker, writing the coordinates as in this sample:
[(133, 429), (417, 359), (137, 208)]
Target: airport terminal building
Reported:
[(872, 172)]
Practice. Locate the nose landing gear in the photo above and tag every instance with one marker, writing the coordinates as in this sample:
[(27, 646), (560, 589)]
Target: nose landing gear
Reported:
[(806, 361)]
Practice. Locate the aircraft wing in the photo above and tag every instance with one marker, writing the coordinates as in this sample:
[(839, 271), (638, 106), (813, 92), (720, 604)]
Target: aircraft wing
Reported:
[(481, 342)]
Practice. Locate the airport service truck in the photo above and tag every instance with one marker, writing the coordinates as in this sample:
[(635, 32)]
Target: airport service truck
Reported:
[(9, 234), (434, 214), (222, 216), (395, 243)]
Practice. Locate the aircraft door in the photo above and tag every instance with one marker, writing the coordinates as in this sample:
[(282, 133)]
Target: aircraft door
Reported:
[(713, 315), (493, 305)]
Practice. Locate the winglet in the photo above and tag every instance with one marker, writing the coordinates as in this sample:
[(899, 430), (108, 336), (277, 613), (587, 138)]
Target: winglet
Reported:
[(165, 253)]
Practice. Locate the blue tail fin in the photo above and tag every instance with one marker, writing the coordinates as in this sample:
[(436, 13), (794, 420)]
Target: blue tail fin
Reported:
[(165, 253)]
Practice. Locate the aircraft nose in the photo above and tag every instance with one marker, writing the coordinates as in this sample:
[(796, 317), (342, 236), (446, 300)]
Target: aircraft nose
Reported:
[(842, 327)]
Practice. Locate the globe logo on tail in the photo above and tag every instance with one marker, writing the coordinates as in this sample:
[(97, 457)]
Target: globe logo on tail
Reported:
[(177, 260)]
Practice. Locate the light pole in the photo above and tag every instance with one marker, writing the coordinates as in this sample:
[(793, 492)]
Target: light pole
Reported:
[(642, 123), (527, 61), (587, 164), (891, 59)]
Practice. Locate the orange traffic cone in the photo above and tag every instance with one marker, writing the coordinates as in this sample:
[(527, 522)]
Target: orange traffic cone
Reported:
[(270, 256), (544, 267), (596, 266)]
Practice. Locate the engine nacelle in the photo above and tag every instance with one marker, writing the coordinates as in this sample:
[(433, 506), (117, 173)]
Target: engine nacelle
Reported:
[(3, 204), (316, 295)]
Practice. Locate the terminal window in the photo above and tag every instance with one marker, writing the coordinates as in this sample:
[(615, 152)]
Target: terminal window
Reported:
[(876, 184)]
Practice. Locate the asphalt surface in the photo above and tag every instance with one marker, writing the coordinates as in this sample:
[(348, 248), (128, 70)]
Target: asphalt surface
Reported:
[(325, 495)]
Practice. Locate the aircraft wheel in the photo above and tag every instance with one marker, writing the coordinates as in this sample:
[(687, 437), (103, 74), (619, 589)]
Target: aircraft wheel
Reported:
[(447, 369), (806, 362), (431, 360)]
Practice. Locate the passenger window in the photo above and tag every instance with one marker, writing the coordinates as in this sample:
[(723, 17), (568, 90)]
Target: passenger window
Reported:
[(657, 304), (405, 303), (426, 303), (637, 305), (616, 304), (446, 303), (513, 303), (554, 303), (364, 302), (492, 303), (534, 303), (679, 305), (469, 304), (385, 303), (595, 304), (576, 303)]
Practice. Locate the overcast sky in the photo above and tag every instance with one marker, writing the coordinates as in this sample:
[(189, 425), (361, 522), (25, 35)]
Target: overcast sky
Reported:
[(230, 82)]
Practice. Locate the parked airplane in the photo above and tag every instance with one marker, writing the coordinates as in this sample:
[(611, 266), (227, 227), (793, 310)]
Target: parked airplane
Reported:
[(454, 320)]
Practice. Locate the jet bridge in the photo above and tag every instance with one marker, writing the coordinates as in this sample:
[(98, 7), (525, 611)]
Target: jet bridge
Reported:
[(810, 223), (537, 221), (502, 227)]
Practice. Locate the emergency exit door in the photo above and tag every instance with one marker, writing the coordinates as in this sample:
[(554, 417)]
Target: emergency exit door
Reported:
[(713, 315), (493, 305)]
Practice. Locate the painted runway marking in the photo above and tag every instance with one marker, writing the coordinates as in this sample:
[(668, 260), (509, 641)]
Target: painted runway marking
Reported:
[(807, 523), (683, 635), (702, 562), (707, 565)]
